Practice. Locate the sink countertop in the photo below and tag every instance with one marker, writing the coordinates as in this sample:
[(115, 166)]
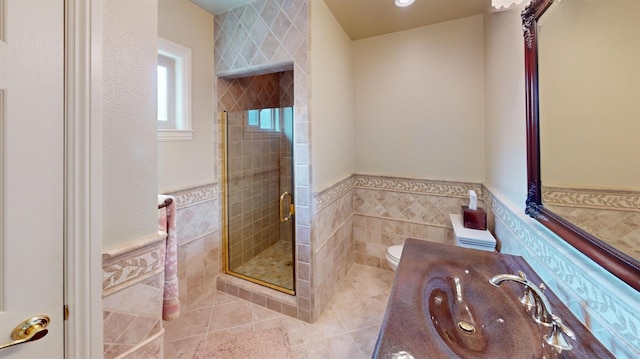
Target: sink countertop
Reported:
[(405, 326)]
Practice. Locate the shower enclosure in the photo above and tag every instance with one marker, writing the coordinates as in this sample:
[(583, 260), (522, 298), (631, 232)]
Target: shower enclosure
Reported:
[(258, 209)]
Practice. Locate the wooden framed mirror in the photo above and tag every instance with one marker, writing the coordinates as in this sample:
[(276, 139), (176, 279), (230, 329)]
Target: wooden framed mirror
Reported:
[(583, 167)]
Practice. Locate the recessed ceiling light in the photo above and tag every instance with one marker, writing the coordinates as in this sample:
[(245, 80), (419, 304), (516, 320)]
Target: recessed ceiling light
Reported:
[(402, 3)]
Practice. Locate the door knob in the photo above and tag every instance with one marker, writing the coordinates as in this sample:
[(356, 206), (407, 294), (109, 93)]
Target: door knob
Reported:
[(30, 330)]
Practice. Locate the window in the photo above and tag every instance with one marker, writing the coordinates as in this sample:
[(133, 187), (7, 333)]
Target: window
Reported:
[(266, 119), (174, 95), (166, 93)]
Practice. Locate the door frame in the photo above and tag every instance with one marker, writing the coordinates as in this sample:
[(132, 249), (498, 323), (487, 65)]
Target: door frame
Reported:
[(83, 178)]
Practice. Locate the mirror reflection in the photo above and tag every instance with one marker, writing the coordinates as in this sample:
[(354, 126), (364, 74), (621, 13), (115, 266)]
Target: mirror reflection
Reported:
[(589, 88)]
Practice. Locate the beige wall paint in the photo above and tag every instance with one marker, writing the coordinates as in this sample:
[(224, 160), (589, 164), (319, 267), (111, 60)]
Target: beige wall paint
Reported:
[(184, 164), (129, 160), (505, 129), (589, 65), (419, 98), (331, 103)]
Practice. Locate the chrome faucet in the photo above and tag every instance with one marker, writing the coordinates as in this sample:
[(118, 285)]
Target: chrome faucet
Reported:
[(542, 313), (534, 298)]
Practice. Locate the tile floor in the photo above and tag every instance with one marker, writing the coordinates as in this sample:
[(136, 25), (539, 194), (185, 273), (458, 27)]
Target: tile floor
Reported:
[(271, 265), (348, 327)]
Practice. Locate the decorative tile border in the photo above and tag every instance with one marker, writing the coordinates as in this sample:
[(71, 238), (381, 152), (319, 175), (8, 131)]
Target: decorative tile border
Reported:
[(592, 198), (123, 268), (592, 286), (422, 186), (325, 197), (192, 196)]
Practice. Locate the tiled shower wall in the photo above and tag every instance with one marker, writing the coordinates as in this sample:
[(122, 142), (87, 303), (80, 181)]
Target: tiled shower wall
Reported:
[(259, 164), (261, 37), (253, 179), (613, 216), (271, 90)]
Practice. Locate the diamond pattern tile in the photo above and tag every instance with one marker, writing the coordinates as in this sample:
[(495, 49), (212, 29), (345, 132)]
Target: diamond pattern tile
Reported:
[(276, 35), (261, 32)]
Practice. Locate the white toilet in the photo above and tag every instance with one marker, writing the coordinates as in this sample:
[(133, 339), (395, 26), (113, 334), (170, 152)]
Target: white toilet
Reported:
[(393, 255), (464, 237)]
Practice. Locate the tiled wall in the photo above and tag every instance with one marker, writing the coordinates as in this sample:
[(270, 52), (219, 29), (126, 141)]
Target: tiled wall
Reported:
[(261, 37), (333, 241), (606, 305), (388, 210), (199, 246), (259, 163), (253, 92), (398, 206), (254, 187), (613, 216), (132, 278), (354, 221), (357, 219)]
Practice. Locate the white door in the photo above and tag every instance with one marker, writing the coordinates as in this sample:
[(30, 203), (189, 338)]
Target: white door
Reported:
[(32, 164)]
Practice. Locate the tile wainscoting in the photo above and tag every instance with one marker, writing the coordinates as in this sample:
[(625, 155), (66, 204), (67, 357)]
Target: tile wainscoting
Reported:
[(133, 276), (132, 280), (382, 211), (332, 241), (606, 305), (387, 210), (353, 221), (198, 222), (356, 219)]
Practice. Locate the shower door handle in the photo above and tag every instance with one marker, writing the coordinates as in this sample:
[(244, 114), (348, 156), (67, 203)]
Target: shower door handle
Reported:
[(291, 208)]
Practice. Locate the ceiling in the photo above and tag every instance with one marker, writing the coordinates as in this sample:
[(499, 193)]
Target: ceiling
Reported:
[(365, 18), (219, 6)]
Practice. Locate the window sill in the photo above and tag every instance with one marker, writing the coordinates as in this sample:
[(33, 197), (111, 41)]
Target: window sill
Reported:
[(175, 135)]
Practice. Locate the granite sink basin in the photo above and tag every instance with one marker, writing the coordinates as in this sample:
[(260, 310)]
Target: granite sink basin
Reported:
[(468, 314), (442, 305)]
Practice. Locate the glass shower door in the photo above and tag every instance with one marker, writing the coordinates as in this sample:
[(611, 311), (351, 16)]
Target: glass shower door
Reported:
[(259, 202)]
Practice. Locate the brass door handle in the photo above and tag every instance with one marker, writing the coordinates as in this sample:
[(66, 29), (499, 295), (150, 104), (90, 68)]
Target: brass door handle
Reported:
[(28, 331), (291, 208)]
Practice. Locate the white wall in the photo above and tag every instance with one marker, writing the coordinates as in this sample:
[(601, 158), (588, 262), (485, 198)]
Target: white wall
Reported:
[(184, 164), (419, 97), (505, 115), (129, 132), (331, 102), (589, 65)]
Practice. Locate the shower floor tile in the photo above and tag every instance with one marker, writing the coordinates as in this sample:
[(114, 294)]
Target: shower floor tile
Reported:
[(274, 265)]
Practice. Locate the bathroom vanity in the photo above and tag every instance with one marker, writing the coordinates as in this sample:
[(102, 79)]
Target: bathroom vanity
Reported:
[(453, 302)]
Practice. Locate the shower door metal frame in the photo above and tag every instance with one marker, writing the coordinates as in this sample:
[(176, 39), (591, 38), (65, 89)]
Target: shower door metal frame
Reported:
[(225, 219)]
